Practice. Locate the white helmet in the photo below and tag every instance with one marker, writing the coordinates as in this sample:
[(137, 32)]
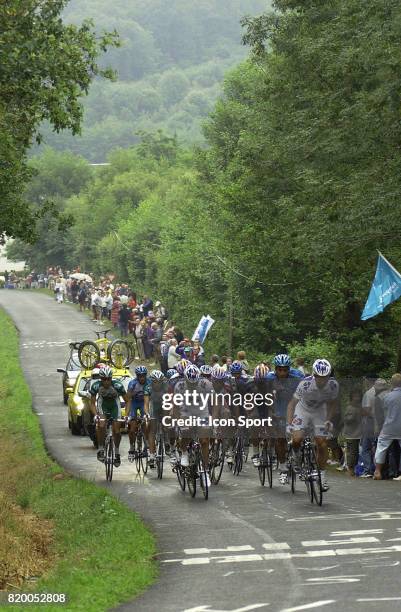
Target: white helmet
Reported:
[(321, 367), (124, 299)]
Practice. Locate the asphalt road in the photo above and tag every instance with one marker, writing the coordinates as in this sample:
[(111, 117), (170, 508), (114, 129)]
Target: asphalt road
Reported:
[(247, 547)]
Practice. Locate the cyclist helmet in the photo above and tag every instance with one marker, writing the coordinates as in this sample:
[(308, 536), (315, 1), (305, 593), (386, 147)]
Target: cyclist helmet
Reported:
[(157, 375), (95, 372), (106, 372), (236, 367), (321, 367), (206, 370), (141, 370), (192, 373), (261, 371), (282, 360), (181, 365), (170, 373), (124, 299), (218, 373)]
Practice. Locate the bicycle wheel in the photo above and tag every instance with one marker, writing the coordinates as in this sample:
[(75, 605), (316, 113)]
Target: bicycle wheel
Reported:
[(118, 353), (191, 480), (315, 481), (238, 457), (181, 477), (269, 467), (88, 354), (144, 456), (293, 478), (138, 452), (263, 465), (217, 461), (160, 457), (109, 458), (202, 473)]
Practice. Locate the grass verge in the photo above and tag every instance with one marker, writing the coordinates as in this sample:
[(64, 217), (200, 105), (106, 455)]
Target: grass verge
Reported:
[(57, 533)]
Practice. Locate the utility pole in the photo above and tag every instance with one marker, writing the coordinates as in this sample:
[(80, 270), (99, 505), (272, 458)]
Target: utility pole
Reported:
[(230, 314)]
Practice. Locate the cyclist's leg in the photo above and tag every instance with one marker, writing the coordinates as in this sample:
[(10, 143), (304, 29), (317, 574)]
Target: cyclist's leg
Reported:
[(132, 431), (100, 435), (150, 435)]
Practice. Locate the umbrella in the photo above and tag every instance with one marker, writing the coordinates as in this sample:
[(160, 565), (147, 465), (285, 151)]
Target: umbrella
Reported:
[(80, 276)]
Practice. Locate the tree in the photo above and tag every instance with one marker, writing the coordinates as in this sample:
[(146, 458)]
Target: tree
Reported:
[(46, 68)]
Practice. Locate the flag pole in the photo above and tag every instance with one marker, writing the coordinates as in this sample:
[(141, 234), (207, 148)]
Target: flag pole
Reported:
[(391, 265)]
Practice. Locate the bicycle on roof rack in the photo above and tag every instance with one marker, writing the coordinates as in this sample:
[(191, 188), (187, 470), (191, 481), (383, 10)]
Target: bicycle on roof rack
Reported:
[(117, 352)]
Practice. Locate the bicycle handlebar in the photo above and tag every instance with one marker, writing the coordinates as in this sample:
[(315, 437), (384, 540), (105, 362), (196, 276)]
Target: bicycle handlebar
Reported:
[(104, 332)]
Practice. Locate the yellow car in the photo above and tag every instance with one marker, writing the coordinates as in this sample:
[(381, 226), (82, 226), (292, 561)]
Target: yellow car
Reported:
[(78, 406)]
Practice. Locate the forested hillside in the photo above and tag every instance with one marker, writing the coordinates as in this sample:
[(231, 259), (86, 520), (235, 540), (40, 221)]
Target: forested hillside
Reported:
[(282, 213), (170, 66)]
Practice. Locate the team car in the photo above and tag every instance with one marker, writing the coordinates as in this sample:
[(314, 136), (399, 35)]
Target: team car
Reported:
[(70, 374)]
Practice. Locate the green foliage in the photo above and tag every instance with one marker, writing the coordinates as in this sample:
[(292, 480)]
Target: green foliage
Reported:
[(46, 68), (170, 65), (276, 223)]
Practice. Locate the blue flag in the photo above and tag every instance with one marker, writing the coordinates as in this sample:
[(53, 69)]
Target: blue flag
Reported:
[(386, 288)]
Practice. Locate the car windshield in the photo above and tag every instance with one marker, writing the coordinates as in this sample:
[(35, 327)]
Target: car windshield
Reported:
[(73, 362), (82, 384)]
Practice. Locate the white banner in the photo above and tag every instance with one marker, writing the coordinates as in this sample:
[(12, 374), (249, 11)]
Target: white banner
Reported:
[(202, 330)]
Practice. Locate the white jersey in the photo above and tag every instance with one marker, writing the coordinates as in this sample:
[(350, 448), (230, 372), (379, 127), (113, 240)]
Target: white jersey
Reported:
[(311, 397)]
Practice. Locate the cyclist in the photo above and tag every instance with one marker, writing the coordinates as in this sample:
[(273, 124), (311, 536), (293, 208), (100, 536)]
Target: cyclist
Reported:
[(240, 385), (172, 374), (221, 404), (187, 405), (206, 371), (314, 406), (153, 407), (135, 405), (283, 383), (260, 387), (107, 392)]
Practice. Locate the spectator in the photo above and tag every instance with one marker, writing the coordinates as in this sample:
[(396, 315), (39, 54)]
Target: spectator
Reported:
[(147, 305), (82, 294), (391, 429), (109, 304), (173, 357), (241, 357), (353, 429), (214, 360), (123, 318), (138, 335), (115, 309), (300, 365), (368, 433)]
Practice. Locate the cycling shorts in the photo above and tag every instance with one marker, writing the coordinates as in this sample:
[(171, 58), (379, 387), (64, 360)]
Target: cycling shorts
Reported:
[(137, 412), (305, 420)]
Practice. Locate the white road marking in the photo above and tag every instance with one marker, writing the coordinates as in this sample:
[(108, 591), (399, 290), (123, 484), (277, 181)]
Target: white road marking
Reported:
[(209, 609), (336, 579), (319, 569), (356, 532), (394, 540), (365, 516), (238, 558), (366, 540), (276, 546), (206, 551), (366, 599), (315, 604), (277, 556)]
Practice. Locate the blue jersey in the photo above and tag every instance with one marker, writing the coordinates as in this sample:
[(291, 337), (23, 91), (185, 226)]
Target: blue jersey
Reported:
[(137, 391), (284, 389)]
